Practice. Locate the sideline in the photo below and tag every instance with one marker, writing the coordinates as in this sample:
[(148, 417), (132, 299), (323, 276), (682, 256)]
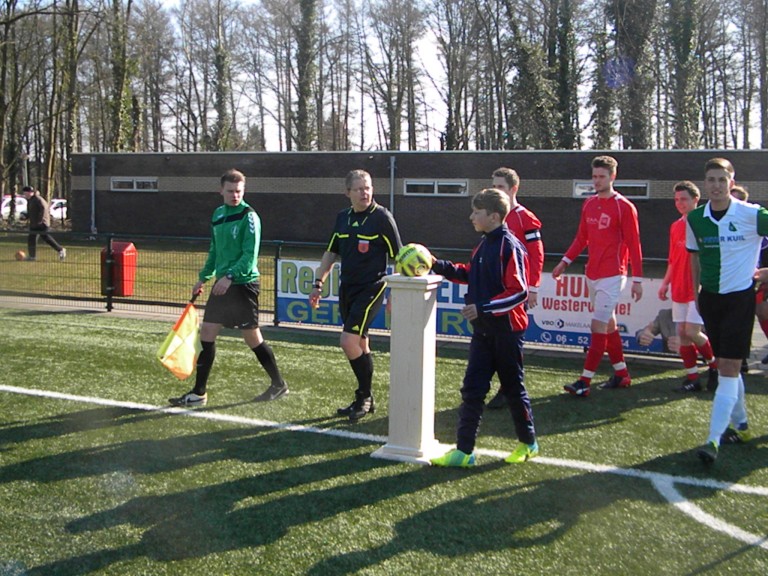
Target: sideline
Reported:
[(664, 483)]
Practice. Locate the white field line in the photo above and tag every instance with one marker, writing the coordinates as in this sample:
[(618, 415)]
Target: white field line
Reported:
[(664, 483)]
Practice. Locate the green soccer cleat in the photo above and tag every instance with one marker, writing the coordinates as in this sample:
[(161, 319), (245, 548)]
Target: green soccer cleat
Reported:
[(523, 453), (454, 459), (708, 452)]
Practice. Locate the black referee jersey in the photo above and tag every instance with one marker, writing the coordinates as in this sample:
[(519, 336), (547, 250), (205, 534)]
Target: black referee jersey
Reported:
[(364, 240)]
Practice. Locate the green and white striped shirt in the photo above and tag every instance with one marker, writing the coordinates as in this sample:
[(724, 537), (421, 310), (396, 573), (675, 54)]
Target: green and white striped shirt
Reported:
[(728, 249)]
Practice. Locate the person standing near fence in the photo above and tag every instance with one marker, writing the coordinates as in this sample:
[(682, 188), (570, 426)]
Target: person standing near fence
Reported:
[(365, 236), (610, 229), (724, 237), (233, 259), (39, 224)]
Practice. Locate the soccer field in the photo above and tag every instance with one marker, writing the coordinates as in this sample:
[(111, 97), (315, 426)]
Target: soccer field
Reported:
[(99, 476)]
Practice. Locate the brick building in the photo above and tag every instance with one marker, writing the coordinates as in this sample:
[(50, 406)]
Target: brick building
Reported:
[(297, 194)]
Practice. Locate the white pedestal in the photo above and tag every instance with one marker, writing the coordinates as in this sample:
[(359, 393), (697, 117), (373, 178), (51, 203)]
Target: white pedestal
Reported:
[(412, 370)]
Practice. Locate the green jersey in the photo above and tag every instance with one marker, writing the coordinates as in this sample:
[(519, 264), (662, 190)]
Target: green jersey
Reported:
[(728, 248), (235, 241)]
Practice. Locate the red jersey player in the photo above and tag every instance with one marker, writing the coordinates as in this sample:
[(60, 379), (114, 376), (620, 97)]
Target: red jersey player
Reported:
[(610, 229), (526, 227), (684, 313)]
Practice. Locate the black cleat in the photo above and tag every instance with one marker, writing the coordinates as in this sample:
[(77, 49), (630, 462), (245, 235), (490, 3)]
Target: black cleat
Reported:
[(359, 408), (689, 385), (578, 388), (708, 453), (274, 392)]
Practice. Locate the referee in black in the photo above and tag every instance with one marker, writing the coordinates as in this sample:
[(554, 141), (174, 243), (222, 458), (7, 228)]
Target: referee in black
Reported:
[(364, 236)]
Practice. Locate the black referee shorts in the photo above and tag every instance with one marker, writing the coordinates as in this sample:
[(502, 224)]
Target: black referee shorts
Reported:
[(359, 305), (237, 308)]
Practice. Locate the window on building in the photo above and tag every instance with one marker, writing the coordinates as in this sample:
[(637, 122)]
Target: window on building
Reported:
[(128, 184), (432, 187), (636, 189)]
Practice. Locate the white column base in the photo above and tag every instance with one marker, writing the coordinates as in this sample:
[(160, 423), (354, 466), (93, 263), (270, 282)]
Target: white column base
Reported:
[(411, 435), (421, 455)]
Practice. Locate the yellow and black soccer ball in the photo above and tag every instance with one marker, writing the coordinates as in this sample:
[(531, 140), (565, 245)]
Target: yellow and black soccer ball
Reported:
[(413, 260)]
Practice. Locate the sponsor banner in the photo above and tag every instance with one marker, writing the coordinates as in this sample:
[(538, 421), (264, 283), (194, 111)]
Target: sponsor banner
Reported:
[(562, 316)]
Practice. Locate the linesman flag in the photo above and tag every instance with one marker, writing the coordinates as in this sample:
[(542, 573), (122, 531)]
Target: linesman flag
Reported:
[(182, 345)]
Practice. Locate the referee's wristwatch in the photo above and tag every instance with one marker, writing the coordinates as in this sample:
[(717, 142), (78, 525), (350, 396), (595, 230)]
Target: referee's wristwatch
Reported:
[(230, 276)]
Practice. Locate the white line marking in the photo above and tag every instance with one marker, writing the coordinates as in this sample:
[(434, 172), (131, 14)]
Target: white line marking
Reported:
[(667, 489), (664, 483)]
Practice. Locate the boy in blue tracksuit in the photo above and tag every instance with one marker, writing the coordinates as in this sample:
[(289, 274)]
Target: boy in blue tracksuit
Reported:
[(497, 279)]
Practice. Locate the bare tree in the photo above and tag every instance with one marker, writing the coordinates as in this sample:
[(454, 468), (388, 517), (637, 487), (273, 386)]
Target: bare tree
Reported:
[(396, 25)]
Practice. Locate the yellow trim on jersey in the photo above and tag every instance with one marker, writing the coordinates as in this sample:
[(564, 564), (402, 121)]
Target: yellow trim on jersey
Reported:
[(368, 308)]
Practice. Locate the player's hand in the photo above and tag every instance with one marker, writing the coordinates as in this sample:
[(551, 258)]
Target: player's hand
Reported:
[(314, 297), (637, 291), (533, 299), (645, 337), (558, 270), (469, 312), (663, 291), (197, 289), (761, 275), (221, 286)]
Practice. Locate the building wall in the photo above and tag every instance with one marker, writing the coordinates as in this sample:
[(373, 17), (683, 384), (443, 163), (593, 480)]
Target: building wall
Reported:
[(297, 194)]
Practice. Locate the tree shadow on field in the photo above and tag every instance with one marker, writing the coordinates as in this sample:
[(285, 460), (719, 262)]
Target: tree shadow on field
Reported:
[(558, 413), (734, 462), (16, 432), (251, 445), (501, 520), (218, 518)]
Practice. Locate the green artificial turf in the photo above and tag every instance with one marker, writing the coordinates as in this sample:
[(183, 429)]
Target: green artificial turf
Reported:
[(89, 488)]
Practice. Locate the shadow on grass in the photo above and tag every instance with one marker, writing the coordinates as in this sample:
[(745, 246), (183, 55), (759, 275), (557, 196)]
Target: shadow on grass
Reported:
[(63, 424), (489, 521), (195, 523)]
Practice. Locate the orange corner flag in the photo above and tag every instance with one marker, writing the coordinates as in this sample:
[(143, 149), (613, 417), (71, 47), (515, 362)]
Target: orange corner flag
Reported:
[(182, 345)]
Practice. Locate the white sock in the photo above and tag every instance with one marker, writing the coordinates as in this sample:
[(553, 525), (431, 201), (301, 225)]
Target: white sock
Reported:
[(726, 397), (739, 414)]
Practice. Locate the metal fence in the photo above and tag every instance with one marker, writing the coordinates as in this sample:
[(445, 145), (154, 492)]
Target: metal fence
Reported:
[(103, 270)]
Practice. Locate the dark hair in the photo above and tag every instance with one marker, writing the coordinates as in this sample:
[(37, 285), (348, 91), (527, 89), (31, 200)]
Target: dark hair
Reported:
[(27, 189), (493, 201), (607, 162), (509, 175), (690, 187), (720, 164), (232, 175)]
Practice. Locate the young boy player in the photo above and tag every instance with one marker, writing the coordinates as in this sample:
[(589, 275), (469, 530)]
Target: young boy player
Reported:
[(497, 279)]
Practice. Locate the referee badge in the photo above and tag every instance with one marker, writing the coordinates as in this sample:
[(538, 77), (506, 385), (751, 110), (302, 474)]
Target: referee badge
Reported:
[(362, 246)]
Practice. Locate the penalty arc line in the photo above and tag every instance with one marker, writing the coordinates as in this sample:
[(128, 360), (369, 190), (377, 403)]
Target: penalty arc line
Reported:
[(664, 483)]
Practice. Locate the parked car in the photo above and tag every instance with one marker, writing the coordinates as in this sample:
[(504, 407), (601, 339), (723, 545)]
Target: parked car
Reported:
[(21, 207), (58, 209)]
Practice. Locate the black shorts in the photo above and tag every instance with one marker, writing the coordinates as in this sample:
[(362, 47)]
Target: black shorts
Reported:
[(728, 321), (237, 308), (359, 305)]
